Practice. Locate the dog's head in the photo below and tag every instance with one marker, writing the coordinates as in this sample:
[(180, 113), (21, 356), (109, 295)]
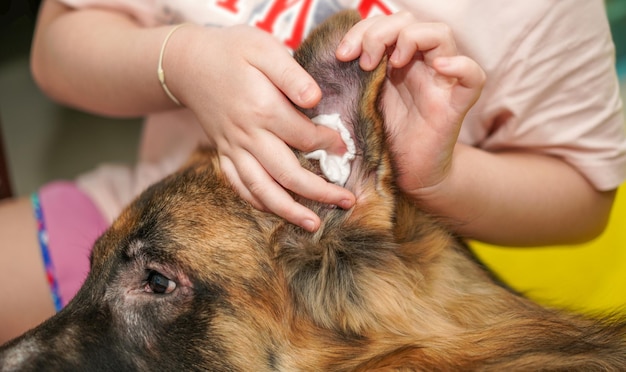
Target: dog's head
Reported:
[(190, 276)]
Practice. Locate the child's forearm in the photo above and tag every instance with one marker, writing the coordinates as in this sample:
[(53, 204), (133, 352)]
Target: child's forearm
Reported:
[(76, 51), (518, 199)]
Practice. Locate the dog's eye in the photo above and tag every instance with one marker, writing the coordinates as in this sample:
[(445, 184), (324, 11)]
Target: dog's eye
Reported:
[(158, 283)]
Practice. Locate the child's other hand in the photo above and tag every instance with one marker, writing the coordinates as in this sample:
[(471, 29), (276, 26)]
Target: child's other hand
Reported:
[(429, 90), (239, 82)]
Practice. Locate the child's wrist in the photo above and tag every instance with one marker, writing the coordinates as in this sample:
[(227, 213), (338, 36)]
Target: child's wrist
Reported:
[(178, 58), (161, 70), (443, 197)]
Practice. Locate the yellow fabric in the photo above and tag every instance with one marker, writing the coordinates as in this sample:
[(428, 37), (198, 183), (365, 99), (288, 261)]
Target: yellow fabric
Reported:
[(590, 277)]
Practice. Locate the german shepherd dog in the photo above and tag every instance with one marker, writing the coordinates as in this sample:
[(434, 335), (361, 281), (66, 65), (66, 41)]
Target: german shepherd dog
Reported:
[(192, 277)]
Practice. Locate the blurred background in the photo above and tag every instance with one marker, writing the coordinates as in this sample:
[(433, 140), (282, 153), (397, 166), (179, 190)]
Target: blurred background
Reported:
[(44, 141)]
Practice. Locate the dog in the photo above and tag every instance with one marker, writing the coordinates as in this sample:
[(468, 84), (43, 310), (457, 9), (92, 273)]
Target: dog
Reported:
[(192, 277)]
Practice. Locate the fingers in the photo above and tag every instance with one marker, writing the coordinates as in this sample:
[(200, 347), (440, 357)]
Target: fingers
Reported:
[(433, 40), (288, 76), (257, 187), (269, 168), (287, 171), (469, 76), (299, 132), (467, 72), (278, 115), (399, 33), (263, 177)]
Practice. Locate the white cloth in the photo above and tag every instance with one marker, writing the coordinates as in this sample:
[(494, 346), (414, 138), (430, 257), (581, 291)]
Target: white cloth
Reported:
[(336, 168)]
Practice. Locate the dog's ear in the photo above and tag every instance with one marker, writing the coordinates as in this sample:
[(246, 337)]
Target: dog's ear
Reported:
[(354, 94), (334, 273)]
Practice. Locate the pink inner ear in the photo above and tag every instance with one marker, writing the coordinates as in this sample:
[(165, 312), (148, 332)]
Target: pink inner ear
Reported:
[(352, 93)]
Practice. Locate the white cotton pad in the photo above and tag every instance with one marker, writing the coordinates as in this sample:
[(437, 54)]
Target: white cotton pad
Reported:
[(336, 168)]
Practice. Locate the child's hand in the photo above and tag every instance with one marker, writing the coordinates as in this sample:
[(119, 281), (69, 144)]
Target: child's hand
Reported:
[(429, 91), (238, 83)]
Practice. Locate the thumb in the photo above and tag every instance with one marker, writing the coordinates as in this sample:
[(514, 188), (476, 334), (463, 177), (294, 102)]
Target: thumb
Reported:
[(291, 78)]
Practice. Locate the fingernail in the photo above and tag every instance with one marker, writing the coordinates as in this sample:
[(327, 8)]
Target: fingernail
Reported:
[(365, 62), (344, 49), (309, 225), (395, 57), (442, 62), (345, 204), (306, 94)]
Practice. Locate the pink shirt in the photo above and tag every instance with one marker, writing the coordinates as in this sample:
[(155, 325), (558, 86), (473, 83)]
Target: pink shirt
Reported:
[(551, 84)]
